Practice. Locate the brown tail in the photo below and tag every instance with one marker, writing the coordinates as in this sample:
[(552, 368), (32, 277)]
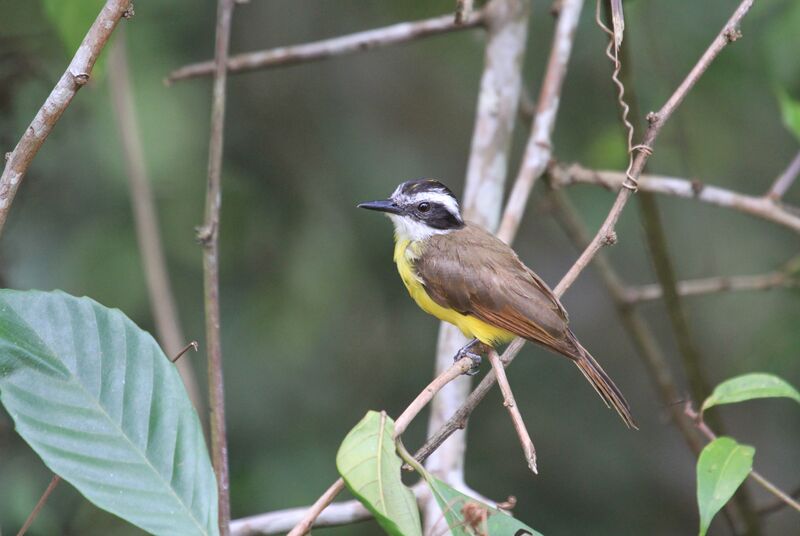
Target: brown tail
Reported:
[(609, 392)]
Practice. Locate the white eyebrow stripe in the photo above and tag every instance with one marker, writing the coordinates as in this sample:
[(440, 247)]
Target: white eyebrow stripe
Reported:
[(437, 197)]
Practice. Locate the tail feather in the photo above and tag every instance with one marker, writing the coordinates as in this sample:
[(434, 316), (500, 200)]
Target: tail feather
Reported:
[(601, 383)]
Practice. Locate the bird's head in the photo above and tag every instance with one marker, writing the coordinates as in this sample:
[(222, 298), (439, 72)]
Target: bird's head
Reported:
[(420, 209)]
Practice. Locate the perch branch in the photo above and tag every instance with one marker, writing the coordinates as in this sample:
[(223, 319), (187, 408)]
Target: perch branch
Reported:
[(145, 216), (329, 48), (539, 147), (511, 404), (39, 505), (208, 235), (760, 207), (785, 180), (75, 77), (766, 484)]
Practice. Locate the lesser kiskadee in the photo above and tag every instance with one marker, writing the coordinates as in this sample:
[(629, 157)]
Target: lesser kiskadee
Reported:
[(464, 275)]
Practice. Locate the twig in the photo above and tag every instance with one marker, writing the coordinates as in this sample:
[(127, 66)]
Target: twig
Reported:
[(513, 410), (75, 77), (454, 371), (785, 180), (208, 236), (760, 207), (496, 114), (695, 287), (329, 48), (539, 147), (191, 346), (606, 235), (39, 505), (145, 216), (766, 484)]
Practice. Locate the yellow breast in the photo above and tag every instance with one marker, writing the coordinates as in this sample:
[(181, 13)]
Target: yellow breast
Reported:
[(405, 253)]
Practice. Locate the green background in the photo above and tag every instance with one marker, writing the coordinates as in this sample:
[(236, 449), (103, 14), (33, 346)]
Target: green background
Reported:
[(317, 328)]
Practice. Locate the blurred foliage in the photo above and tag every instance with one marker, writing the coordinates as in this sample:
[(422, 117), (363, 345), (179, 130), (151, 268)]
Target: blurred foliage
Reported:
[(317, 328)]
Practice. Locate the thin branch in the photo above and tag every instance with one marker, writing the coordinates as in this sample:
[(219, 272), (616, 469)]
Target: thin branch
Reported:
[(511, 405), (760, 207), (538, 150), (39, 505), (330, 48), (785, 180), (208, 235), (696, 287), (75, 77), (766, 484), (454, 371), (145, 216)]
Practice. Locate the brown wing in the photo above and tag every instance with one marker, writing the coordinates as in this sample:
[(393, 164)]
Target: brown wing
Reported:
[(475, 273)]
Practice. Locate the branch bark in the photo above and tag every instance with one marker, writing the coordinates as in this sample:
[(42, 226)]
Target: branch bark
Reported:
[(75, 77), (145, 216), (330, 48), (208, 235), (761, 207)]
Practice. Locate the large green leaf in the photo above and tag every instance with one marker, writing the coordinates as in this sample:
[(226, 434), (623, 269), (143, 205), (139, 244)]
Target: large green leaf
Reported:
[(370, 467), (748, 387), (467, 516), (722, 467), (104, 408)]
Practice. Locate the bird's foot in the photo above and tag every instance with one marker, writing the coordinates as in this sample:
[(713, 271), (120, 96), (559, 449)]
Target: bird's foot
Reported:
[(476, 359)]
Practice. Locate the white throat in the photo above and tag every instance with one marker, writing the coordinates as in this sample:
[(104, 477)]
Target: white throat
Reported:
[(407, 228)]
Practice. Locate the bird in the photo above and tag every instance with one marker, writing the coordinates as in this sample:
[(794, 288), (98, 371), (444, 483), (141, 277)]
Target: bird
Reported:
[(462, 274)]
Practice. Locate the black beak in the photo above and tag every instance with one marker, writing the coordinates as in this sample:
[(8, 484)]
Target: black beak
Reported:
[(386, 205)]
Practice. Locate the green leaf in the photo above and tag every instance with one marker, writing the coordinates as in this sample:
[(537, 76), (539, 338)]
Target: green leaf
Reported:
[(722, 467), (104, 408), (748, 387), (790, 111), (369, 464), (467, 516)]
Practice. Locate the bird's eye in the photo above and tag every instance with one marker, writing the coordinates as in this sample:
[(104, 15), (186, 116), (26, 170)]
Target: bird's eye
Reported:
[(424, 207)]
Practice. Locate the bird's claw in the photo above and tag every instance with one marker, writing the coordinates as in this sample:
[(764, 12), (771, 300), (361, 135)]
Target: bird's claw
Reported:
[(475, 358)]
